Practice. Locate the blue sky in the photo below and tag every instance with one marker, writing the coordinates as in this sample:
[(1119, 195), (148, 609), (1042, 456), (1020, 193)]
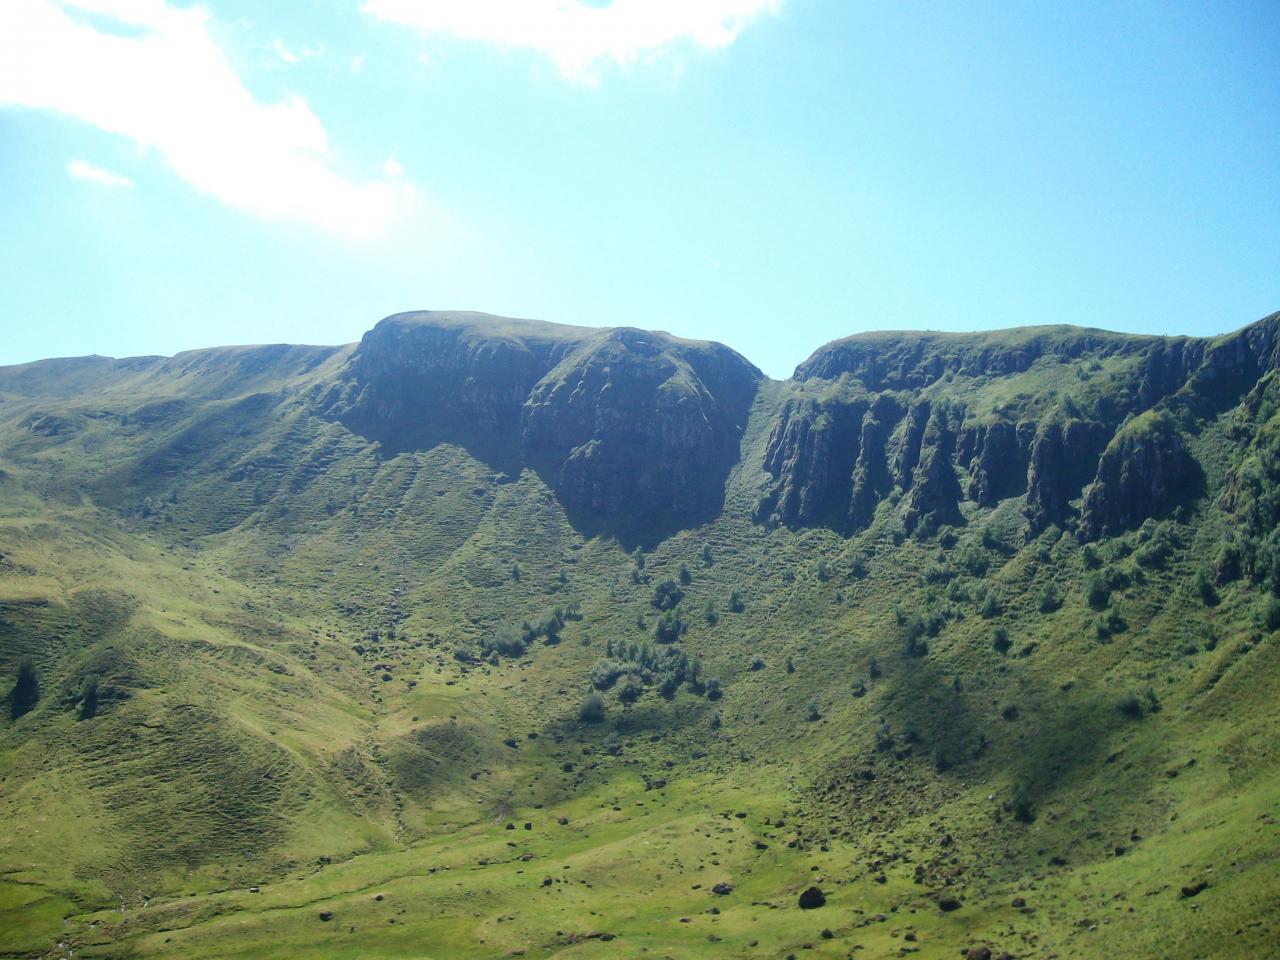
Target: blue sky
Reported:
[(769, 173)]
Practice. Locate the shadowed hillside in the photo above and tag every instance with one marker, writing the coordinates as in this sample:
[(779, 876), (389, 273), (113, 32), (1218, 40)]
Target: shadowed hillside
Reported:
[(491, 637)]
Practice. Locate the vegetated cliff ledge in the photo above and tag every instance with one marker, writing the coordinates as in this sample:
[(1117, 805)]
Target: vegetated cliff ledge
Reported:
[(929, 422), (636, 431)]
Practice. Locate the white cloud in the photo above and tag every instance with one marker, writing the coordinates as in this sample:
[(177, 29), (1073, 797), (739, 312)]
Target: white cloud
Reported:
[(394, 168), (576, 34), (294, 56), (87, 171), (156, 76)]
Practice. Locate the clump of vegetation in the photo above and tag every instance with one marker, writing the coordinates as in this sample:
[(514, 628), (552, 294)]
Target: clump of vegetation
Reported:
[(736, 603), (88, 699), (669, 627), (1205, 589), (1050, 599), (990, 607), (26, 689), (591, 709), (665, 668), (812, 712), (686, 577), (757, 663), (1020, 804), (1097, 591), (666, 595), (711, 614), (1000, 640)]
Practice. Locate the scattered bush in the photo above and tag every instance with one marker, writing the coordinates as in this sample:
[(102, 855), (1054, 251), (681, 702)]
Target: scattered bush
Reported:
[(1097, 591), (710, 614), (990, 607), (715, 720), (1050, 599), (1271, 614), (713, 688), (812, 713), (1020, 804), (706, 554), (791, 667), (757, 663), (629, 690), (1000, 640), (666, 595), (26, 689), (592, 709), (88, 698), (736, 603), (669, 627), (686, 577), (1205, 589)]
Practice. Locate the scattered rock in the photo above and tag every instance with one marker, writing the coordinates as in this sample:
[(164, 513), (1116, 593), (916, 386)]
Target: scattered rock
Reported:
[(947, 903), (812, 898)]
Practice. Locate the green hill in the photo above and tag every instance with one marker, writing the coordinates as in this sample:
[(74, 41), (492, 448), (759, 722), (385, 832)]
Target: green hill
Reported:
[(488, 637)]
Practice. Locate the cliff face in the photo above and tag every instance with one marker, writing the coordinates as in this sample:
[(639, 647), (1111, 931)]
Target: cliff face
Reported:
[(635, 431), (1039, 413), (1145, 471)]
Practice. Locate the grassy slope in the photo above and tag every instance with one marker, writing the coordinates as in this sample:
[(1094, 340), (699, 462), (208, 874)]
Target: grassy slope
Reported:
[(259, 747)]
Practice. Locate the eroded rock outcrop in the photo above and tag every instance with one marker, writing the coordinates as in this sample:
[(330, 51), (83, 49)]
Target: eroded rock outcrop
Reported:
[(1144, 472), (634, 430)]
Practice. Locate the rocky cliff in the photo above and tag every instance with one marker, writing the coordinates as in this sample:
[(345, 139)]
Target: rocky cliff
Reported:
[(937, 425), (636, 431)]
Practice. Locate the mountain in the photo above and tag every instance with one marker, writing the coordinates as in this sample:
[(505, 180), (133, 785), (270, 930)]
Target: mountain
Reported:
[(491, 637)]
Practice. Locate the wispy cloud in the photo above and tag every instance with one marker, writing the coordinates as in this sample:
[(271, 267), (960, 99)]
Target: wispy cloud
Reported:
[(82, 170), (578, 35), (290, 56), (154, 74)]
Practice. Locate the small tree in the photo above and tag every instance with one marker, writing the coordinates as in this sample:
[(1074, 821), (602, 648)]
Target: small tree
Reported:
[(706, 554), (666, 595), (89, 698), (629, 690), (1000, 640), (1098, 591), (735, 602), (592, 709), (686, 577), (1020, 804), (26, 689), (711, 614)]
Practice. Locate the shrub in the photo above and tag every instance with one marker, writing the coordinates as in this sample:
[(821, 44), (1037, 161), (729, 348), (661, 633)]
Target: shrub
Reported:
[(1049, 599), (1090, 557), (1205, 589), (822, 572), (1009, 712), (715, 720), (710, 614), (515, 572), (629, 690), (1130, 706), (89, 698), (857, 568), (1097, 592), (990, 607), (975, 561), (757, 663), (812, 713), (666, 595), (592, 709), (1020, 804), (1226, 564), (713, 688), (669, 627), (873, 668), (26, 689), (736, 603), (706, 554), (1000, 640), (1271, 615), (791, 667), (686, 577)]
